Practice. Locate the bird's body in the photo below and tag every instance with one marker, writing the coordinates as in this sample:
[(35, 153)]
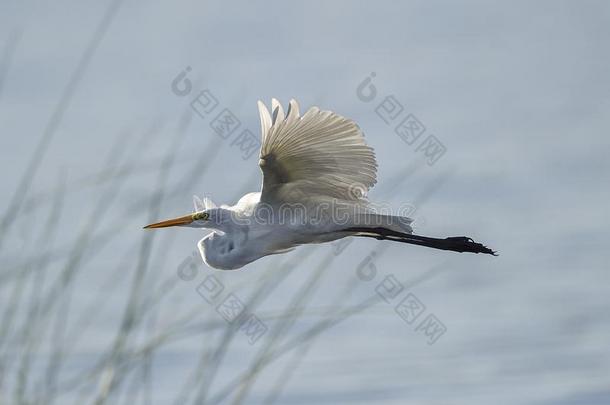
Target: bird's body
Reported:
[(316, 172), (252, 229)]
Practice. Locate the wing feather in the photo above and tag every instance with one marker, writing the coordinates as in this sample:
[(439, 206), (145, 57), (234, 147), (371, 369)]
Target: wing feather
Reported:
[(265, 119), (278, 111), (318, 154)]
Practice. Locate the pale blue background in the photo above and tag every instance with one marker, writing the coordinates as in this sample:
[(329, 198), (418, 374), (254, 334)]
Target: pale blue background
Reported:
[(519, 94)]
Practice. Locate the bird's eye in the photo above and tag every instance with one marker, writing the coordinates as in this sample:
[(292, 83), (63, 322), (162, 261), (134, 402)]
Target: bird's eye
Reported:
[(200, 215)]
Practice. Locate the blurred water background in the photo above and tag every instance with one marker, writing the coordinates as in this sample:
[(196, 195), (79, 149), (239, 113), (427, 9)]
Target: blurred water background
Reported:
[(95, 144)]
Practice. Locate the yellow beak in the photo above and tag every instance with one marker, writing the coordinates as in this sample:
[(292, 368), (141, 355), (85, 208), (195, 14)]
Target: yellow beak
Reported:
[(185, 220)]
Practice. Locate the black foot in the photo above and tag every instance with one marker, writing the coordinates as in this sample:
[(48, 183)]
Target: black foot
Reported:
[(466, 244)]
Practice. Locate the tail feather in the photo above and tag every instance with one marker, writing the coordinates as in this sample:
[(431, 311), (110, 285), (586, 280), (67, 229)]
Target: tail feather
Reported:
[(394, 223), (455, 243)]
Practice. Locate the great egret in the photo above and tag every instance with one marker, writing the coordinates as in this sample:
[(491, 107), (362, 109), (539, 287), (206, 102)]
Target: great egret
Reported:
[(316, 169)]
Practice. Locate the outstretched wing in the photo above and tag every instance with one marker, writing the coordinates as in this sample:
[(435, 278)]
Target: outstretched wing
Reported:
[(318, 154)]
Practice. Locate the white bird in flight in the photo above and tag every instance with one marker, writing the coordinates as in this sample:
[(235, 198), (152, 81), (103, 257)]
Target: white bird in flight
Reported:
[(317, 170)]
